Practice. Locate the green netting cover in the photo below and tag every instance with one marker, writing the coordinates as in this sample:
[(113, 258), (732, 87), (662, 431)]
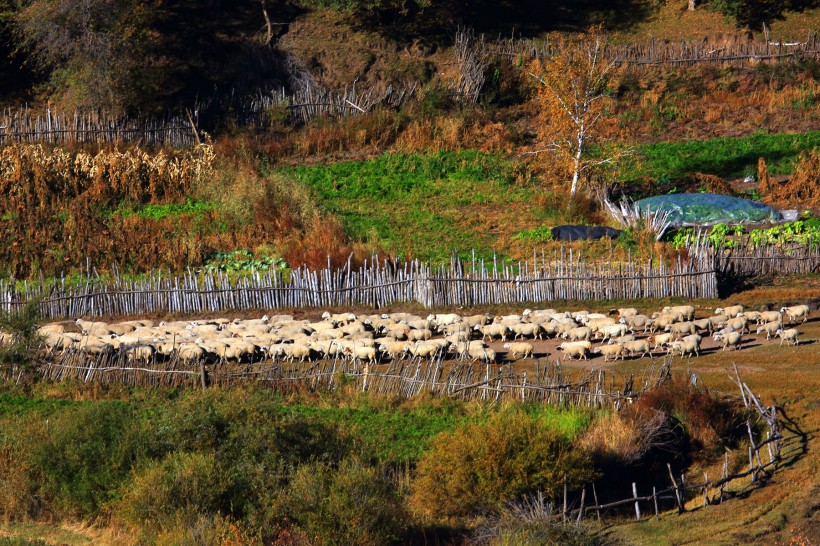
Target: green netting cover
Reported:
[(706, 209)]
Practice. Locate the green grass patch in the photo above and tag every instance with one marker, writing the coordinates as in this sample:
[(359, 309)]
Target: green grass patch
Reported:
[(160, 212), (424, 205), (726, 157)]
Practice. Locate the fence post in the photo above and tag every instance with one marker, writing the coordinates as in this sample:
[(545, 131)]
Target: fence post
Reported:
[(637, 504)]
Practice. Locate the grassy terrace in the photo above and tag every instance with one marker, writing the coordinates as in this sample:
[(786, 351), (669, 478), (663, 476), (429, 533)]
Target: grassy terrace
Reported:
[(429, 205)]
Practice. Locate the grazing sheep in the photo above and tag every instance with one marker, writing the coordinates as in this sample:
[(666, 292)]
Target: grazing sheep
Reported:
[(598, 323), (770, 328), (686, 311), (751, 316), (738, 324), (636, 346), (361, 353), (419, 335), (770, 316), (613, 330), (733, 339), (526, 330), (395, 349), (444, 319), (516, 349), (685, 348), (491, 331), (680, 328), (625, 312), (730, 312), (575, 334), (789, 335), (579, 348), (661, 322), (636, 321), (615, 351), (459, 336), (704, 325), (143, 353), (475, 320), (796, 312), (621, 339), (662, 339), (483, 354), (191, 352), (694, 337)]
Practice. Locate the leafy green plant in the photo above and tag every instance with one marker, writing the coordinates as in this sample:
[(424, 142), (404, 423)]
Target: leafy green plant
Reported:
[(242, 261), (680, 238), (538, 235)]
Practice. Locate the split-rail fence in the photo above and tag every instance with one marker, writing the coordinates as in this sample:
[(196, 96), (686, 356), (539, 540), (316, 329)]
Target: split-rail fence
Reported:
[(377, 283)]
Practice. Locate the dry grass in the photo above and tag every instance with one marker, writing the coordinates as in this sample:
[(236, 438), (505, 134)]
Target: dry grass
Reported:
[(802, 188)]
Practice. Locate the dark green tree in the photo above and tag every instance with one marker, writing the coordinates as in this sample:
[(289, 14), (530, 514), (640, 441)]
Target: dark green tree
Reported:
[(754, 14)]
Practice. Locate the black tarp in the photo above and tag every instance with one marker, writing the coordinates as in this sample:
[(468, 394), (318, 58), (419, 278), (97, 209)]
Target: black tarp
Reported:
[(581, 233)]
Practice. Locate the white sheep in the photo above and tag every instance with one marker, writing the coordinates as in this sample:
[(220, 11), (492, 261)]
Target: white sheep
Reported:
[(685, 348), (770, 316), (579, 348), (680, 328), (491, 331), (733, 339), (770, 328), (636, 346), (576, 334), (523, 349), (796, 312), (532, 330), (662, 339), (790, 335), (613, 330), (730, 312), (686, 311), (361, 353), (615, 351)]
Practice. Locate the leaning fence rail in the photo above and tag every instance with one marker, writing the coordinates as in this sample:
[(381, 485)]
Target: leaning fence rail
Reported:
[(743, 258), (378, 283), (764, 457), (406, 378)]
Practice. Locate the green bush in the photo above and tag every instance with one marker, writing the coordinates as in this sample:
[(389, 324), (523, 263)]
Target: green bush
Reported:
[(84, 455), (351, 504), (481, 466), (174, 492)]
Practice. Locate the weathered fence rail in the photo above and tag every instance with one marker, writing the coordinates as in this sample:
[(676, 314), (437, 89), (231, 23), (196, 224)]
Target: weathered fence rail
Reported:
[(748, 260), (375, 284), (260, 111), (712, 491), (736, 50), (30, 126), (743, 257), (404, 378)]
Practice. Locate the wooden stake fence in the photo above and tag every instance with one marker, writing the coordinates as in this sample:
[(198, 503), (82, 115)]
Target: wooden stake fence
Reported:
[(564, 276), (735, 51), (459, 379), (713, 491), (746, 259)]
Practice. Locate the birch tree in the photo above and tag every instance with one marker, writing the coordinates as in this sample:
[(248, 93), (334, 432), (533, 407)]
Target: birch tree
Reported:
[(575, 106)]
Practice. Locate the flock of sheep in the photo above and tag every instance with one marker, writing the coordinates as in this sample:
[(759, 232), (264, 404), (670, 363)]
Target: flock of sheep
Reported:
[(375, 338)]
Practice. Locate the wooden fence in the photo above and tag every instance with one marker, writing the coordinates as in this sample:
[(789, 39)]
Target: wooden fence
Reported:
[(260, 111), (29, 126), (736, 50), (564, 276), (402, 378), (764, 456), (746, 259)]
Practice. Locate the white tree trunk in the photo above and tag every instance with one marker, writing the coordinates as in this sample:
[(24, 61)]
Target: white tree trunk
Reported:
[(692, 5)]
